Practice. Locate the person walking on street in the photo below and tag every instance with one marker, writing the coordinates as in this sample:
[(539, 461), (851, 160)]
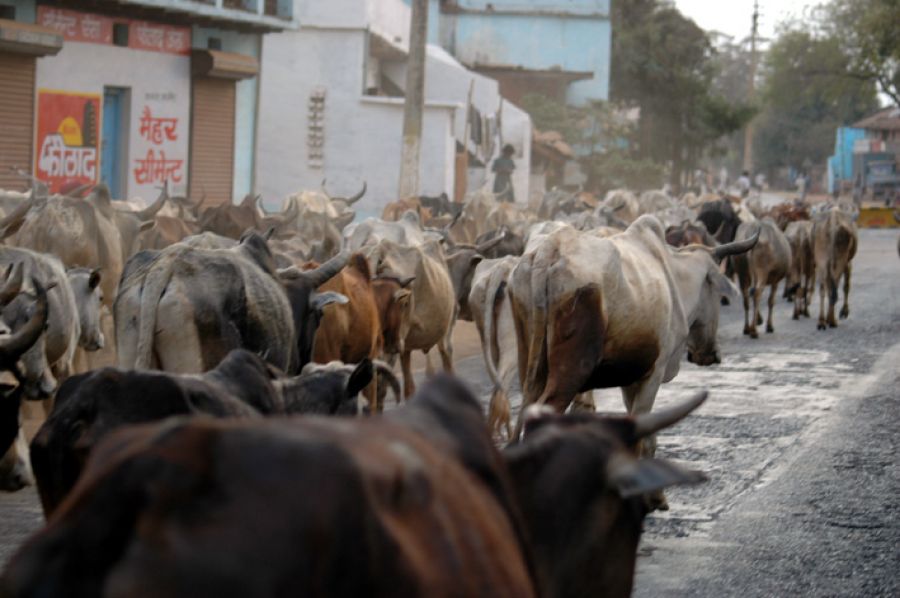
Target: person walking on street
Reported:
[(503, 169)]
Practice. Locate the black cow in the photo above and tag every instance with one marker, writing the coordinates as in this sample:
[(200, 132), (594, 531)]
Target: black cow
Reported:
[(89, 406), (440, 205), (720, 219)]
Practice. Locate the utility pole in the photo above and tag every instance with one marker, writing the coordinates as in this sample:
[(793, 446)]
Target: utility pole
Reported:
[(415, 101), (751, 92)]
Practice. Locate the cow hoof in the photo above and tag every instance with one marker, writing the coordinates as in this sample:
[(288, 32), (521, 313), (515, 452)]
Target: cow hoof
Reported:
[(832, 324), (845, 313), (746, 330), (795, 317), (770, 328), (759, 320), (821, 325), (656, 501), (754, 334)]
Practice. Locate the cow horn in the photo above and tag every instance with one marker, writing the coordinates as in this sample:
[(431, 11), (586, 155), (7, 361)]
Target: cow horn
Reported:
[(736, 247), (355, 198), (650, 423), (13, 284), (324, 190), (149, 213), (13, 346), (14, 220), (390, 377), (326, 271), (490, 244)]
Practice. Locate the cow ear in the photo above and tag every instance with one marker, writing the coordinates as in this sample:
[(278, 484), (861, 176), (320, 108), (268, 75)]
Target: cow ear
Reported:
[(94, 279), (146, 225), (402, 295), (319, 300), (634, 477), (723, 286), (360, 377), (405, 282)]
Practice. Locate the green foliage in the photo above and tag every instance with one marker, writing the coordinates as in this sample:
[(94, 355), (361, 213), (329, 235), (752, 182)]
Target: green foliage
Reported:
[(807, 94), (665, 64), (869, 35)]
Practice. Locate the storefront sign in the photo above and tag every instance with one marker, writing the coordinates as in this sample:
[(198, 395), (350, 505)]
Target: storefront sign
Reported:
[(68, 138), (157, 160), (98, 29)]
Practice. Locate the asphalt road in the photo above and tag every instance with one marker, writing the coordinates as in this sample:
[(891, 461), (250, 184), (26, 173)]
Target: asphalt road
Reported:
[(799, 439)]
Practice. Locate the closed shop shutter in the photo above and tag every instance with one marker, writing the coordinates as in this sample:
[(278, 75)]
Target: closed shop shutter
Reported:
[(16, 117), (212, 139)]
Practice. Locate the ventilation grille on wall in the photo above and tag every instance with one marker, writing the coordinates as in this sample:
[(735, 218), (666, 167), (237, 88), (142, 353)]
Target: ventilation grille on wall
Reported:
[(315, 135)]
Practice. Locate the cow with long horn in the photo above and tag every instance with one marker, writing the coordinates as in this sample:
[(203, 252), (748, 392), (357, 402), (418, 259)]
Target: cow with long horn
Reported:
[(616, 312), (184, 308)]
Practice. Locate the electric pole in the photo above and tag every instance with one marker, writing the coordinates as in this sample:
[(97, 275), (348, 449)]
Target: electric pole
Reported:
[(751, 91), (415, 100)]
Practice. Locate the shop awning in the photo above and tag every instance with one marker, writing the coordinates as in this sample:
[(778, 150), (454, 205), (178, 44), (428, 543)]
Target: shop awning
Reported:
[(26, 38)]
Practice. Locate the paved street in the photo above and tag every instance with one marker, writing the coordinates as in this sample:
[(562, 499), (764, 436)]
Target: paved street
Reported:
[(799, 439)]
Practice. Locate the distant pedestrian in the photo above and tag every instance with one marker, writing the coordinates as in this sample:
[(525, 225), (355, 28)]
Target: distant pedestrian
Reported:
[(802, 184), (743, 184), (503, 169)]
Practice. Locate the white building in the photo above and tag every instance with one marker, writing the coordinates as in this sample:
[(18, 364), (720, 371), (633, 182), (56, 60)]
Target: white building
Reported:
[(331, 107)]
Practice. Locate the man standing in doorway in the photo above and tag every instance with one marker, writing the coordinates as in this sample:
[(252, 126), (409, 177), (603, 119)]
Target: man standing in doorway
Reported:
[(503, 168)]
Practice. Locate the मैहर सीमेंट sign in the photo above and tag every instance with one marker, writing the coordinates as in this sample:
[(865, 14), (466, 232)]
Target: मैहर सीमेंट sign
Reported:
[(67, 149)]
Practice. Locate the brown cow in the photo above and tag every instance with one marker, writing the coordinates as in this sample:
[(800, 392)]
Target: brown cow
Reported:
[(351, 332), (416, 504), (766, 265), (166, 230), (395, 209), (834, 246), (232, 220)]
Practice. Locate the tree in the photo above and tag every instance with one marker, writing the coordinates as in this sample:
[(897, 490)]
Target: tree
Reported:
[(806, 95), (664, 64), (869, 34)]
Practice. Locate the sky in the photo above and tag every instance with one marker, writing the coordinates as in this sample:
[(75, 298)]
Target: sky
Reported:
[(734, 16)]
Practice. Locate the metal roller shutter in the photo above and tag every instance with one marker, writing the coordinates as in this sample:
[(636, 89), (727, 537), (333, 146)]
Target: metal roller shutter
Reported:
[(212, 139), (16, 117)]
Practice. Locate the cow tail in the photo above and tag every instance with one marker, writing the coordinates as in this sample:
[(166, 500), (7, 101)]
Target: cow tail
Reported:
[(499, 400), (537, 350), (154, 286)]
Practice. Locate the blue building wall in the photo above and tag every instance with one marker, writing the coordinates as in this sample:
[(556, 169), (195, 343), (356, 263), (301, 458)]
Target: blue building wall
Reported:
[(571, 35), (840, 165)]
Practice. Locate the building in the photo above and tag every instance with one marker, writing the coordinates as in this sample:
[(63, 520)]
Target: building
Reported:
[(331, 108), (134, 93), (560, 48)]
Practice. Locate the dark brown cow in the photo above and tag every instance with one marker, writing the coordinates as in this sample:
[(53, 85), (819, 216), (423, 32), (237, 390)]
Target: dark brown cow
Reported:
[(166, 230), (416, 504), (232, 220)]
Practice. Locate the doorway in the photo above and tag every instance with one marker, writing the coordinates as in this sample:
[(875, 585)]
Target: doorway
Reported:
[(112, 149)]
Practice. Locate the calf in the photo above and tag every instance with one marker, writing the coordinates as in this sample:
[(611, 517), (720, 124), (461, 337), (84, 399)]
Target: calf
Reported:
[(765, 265), (426, 504), (800, 280), (75, 301), (351, 332)]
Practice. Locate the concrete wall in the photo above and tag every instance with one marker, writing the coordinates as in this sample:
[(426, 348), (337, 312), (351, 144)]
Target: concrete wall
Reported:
[(158, 81), (362, 135), (572, 35)]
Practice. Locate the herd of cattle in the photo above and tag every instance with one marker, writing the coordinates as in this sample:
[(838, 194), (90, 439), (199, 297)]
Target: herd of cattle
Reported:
[(180, 473)]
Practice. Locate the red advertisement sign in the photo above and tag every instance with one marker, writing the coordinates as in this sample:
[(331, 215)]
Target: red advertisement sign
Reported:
[(67, 152), (97, 29), (76, 26)]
